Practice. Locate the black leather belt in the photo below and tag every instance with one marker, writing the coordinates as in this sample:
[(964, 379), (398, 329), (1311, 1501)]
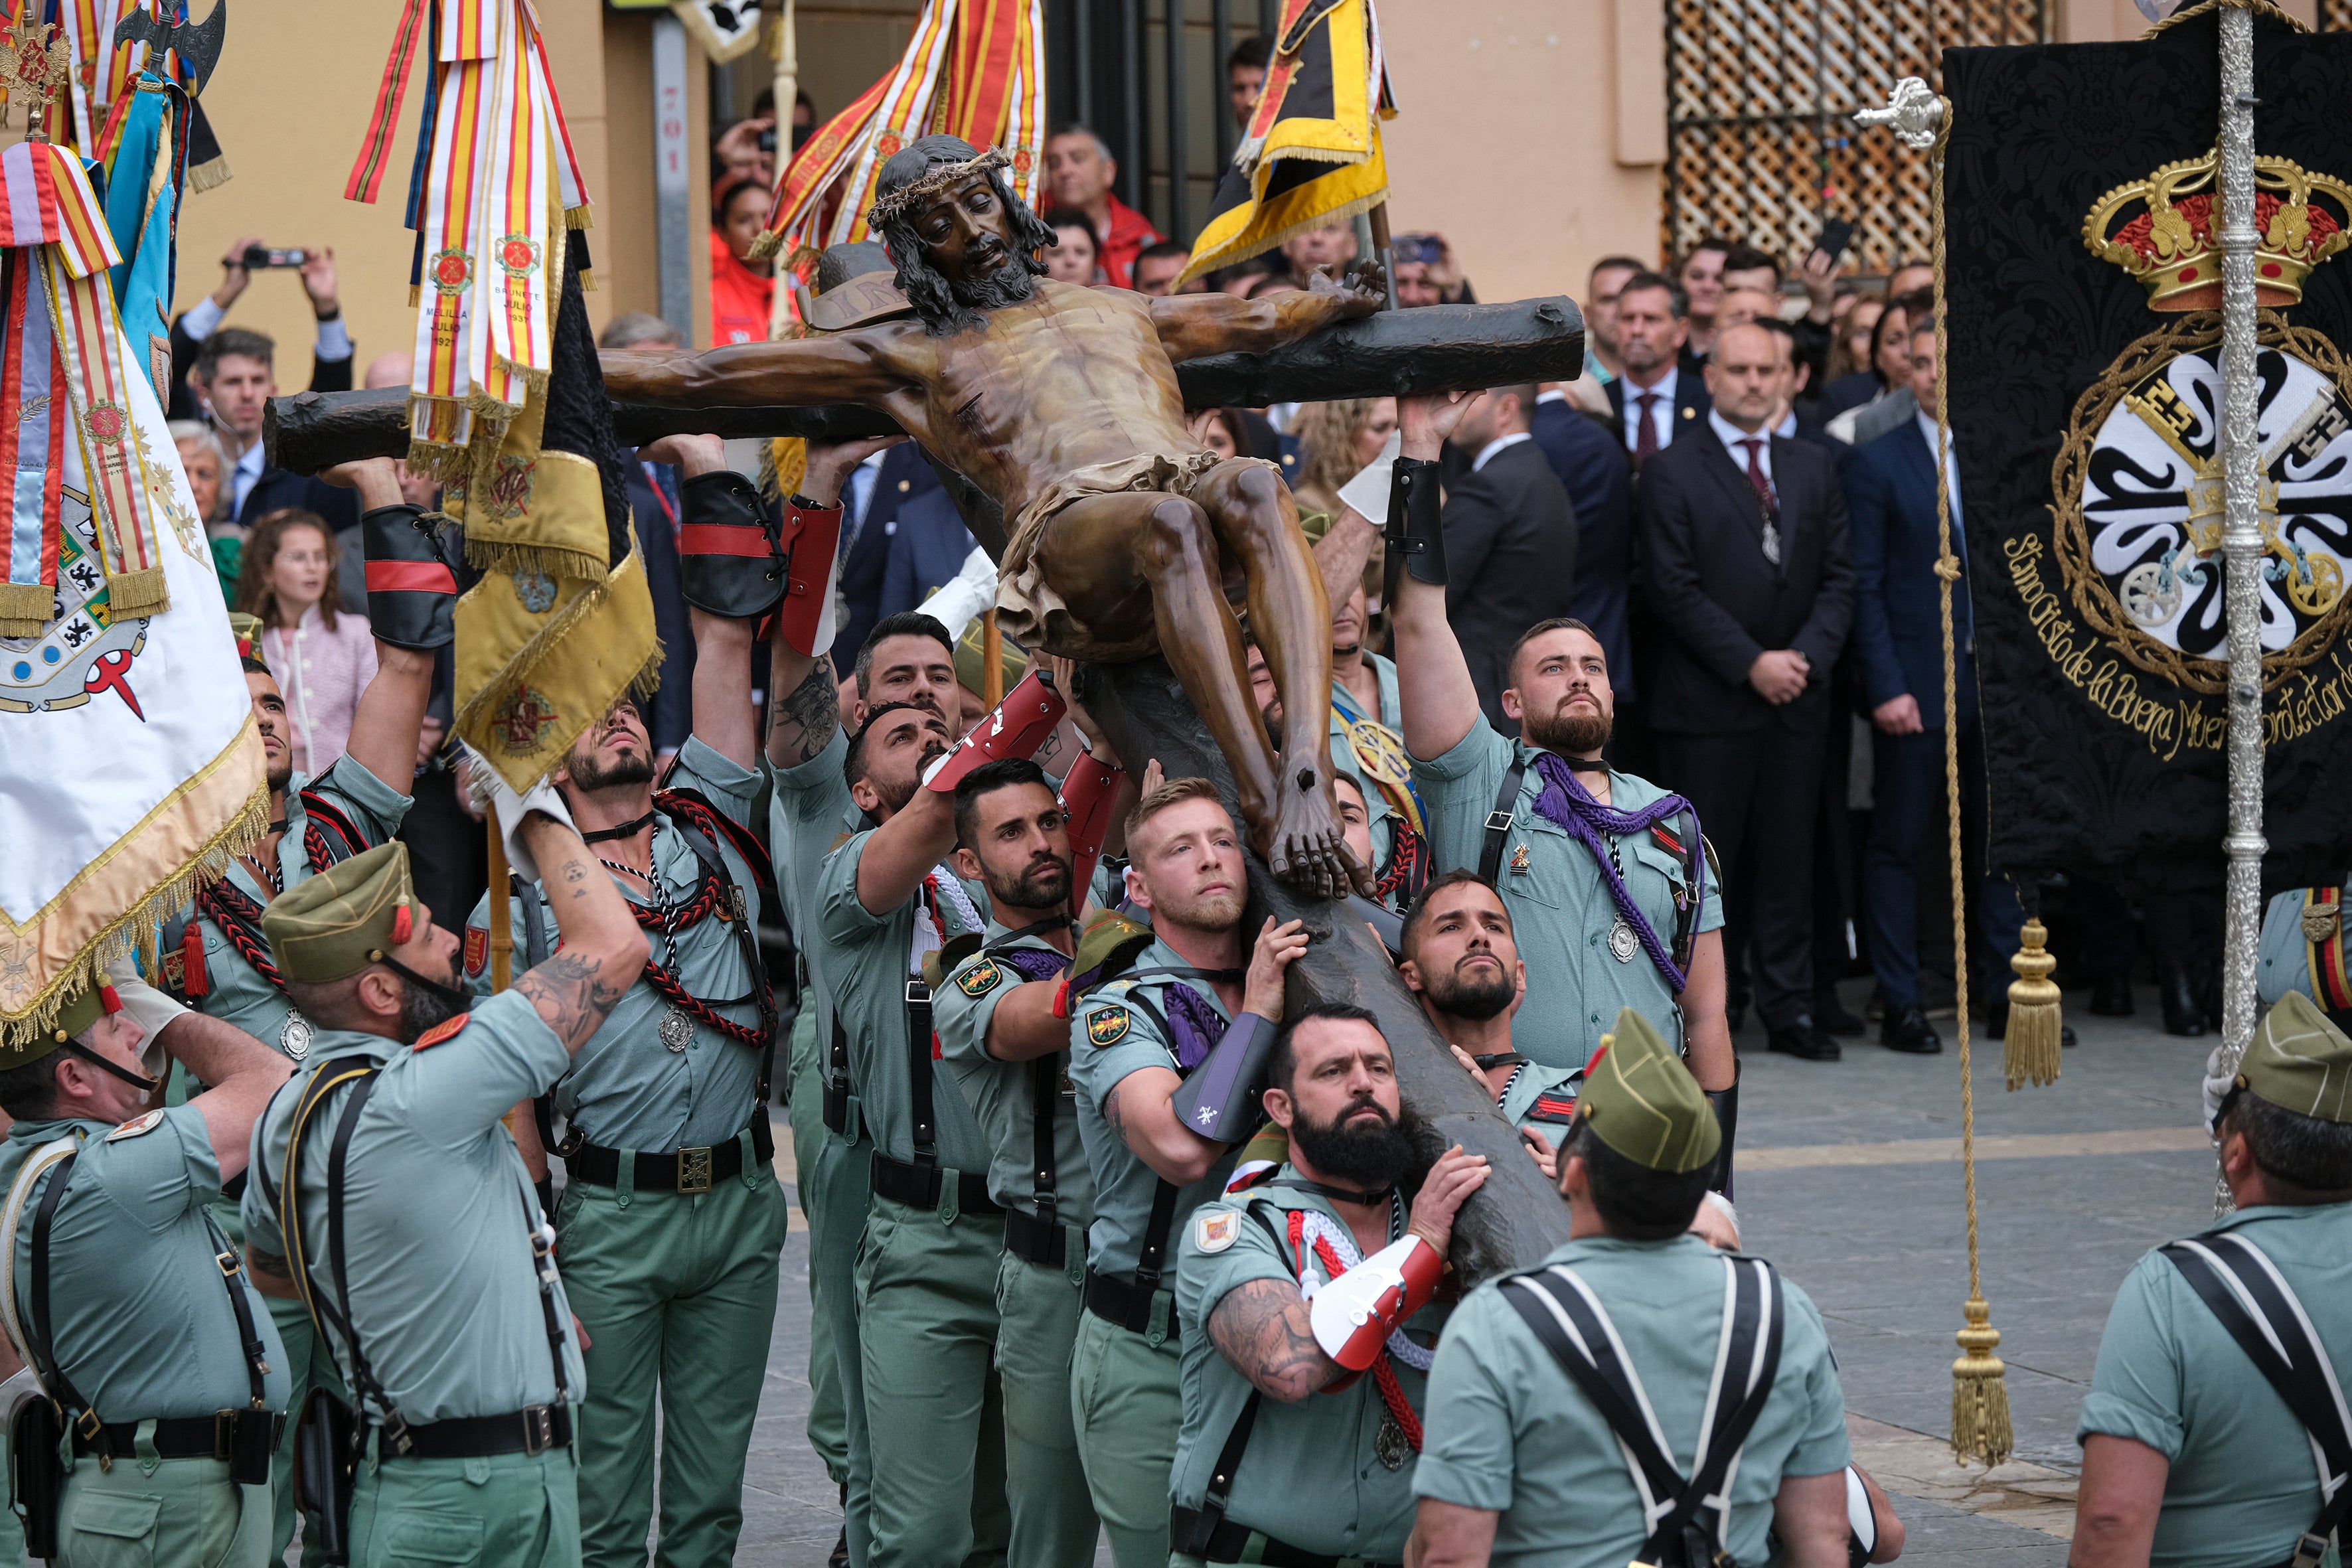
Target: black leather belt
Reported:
[(1028, 1238), (918, 1187), (1229, 1543), (1123, 1303), (534, 1429), (688, 1171), (182, 1436)]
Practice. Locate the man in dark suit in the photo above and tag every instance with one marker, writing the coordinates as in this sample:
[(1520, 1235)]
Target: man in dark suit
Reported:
[(1592, 466), (1750, 573), (870, 499), (928, 545), (1900, 643), (1510, 540), (234, 373), (1661, 397)]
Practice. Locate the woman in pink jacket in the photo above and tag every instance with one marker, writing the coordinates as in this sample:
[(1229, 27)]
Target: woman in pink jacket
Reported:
[(322, 660)]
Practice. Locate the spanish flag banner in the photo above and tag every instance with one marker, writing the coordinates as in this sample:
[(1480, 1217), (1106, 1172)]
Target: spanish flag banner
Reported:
[(1312, 150), (973, 68)]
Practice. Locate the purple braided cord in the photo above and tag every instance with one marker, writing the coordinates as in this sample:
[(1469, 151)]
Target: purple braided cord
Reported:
[(1195, 1022), (1031, 963), (1566, 802)]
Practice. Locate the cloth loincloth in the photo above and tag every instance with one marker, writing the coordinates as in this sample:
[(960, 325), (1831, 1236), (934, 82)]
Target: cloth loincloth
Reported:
[(1030, 612)]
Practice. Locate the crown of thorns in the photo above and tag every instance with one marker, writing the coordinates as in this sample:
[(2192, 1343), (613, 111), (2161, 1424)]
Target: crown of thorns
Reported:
[(889, 209)]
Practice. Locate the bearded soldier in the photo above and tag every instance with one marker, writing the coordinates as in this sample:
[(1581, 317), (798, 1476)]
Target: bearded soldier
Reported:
[(216, 959), (1062, 402), (671, 1220)]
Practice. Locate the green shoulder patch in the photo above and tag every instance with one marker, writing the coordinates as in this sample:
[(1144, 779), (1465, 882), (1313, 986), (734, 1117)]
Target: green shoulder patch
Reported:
[(1106, 1025), (979, 979)]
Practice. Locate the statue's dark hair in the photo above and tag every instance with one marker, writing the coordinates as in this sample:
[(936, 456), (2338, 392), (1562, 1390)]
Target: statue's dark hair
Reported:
[(936, 305)]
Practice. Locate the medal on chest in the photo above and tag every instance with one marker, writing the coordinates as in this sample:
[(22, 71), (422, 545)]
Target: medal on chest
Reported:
[(1390, 1447), (1622, 943), (675, 1029), (294, 1037)]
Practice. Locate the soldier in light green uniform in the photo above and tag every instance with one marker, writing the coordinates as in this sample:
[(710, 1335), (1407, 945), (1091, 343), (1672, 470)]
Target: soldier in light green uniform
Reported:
[(154, 1350), (1316, 1471), (2303, 949), (672, 1219), (1657, 948), (1184, 1004), (828, 1432), (219, 962), (1517, 1463), (460, 1345), (905, 660), (2192, 1453), (1001, 1036), (926, 1273)]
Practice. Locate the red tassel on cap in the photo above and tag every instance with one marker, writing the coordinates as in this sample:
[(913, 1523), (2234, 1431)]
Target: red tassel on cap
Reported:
[(400, 923), (109, 999)]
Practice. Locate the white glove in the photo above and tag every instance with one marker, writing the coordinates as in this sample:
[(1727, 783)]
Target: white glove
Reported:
[(512, 808), (1368, 492), (960, 604), (149, 1008), (2219, 1082)]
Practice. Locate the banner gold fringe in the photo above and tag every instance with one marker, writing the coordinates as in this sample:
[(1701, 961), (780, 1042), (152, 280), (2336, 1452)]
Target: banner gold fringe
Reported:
[(26, 608), (2032, 1047), (135, 928), (203, 177), (136, 594)]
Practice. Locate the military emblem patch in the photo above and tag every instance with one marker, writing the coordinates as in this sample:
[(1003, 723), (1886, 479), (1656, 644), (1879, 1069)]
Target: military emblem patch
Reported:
[(980, 979), (1106, 1027), (136, 1126), (175, 970), (447, 1029), (477, 950), (1215, 1232), (1520, 862)]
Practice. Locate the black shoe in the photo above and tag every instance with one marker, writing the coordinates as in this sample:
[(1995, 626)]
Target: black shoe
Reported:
[(2182, 1016), (1910, 1032), (1835, 1019), (2111, 997), (1801, 1039)]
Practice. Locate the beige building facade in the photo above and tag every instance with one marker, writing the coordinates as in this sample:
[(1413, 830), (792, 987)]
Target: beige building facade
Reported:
[(1534, 136)]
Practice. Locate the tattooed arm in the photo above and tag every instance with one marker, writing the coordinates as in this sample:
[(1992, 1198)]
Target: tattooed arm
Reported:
[(604, 951), (804, 706), (1262, 1329)]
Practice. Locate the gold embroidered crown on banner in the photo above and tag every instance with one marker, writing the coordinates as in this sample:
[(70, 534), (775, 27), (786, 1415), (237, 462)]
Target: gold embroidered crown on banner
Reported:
[(35, 63), (2165, 230)]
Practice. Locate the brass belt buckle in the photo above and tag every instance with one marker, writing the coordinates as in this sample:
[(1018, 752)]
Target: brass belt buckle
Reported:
[(537, 1430), (694, 1170)]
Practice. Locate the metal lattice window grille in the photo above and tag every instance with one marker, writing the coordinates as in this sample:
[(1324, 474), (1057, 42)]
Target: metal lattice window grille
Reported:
[(1761, 143)]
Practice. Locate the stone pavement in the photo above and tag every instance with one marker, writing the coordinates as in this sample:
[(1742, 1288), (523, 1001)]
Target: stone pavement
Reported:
[(1851, 1186)]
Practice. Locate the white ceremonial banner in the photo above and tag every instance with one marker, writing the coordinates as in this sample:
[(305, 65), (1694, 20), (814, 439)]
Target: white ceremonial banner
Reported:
[(130, 768)]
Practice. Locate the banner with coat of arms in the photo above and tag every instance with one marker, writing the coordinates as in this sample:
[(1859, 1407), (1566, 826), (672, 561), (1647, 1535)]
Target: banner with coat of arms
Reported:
[(129, 769), (2082, 279)]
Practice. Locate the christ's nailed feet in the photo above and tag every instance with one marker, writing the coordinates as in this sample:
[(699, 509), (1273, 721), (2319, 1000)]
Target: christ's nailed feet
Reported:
[(1301, 837)]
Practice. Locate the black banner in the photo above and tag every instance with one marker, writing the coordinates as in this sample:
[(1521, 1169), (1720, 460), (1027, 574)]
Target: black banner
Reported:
[(2085, 398)]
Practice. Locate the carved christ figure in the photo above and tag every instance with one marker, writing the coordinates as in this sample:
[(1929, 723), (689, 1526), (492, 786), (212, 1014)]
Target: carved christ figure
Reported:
[(1062, 403)]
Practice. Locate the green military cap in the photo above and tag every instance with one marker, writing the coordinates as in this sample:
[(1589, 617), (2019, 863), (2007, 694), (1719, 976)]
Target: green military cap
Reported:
[(1643, 1102), (80, 1013), (971, 665), (345, 918), (2299, 1061)]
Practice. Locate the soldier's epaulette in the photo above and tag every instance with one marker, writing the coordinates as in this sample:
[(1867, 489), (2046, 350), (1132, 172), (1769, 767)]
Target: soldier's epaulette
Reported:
[(841, 840), (1553, 1107), (447, 1029), (1666, 841), (949, 956)]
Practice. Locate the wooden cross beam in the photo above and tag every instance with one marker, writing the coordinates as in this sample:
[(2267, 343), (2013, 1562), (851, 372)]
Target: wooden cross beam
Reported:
[(1439, 348)]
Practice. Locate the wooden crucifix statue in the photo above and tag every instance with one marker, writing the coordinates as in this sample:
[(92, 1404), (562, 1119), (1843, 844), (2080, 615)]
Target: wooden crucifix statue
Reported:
[(1062, 403)]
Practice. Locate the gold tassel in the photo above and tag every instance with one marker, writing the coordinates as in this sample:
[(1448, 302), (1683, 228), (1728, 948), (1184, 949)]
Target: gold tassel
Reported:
[(2030, 1050), (26, 608), (1980, 1425), (205, 177), (139, 593)]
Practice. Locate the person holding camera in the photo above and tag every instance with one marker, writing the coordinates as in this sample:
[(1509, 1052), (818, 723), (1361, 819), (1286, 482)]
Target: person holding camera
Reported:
[(126, 1298)]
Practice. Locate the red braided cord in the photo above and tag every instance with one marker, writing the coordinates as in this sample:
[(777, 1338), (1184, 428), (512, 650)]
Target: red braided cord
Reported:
[(1405, 855), (679, 996), (1383, 1371), (215, 904)]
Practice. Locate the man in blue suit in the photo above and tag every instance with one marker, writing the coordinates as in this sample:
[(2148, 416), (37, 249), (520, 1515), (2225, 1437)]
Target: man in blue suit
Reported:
[(1594, 471), (1898, 641), (870, 499), (928, 545)]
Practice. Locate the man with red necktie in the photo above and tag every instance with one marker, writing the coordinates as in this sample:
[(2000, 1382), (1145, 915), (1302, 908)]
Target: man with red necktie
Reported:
[(1750, 567)]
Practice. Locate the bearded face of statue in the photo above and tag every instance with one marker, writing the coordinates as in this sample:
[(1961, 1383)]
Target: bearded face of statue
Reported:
[(966, 249)]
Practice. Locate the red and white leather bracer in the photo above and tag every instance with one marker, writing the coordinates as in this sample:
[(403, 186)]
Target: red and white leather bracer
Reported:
[(1354, 1315), (812, 543), (1016, 728)]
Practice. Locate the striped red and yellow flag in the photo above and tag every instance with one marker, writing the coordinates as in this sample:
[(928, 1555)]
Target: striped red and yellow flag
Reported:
[(972, 68)]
